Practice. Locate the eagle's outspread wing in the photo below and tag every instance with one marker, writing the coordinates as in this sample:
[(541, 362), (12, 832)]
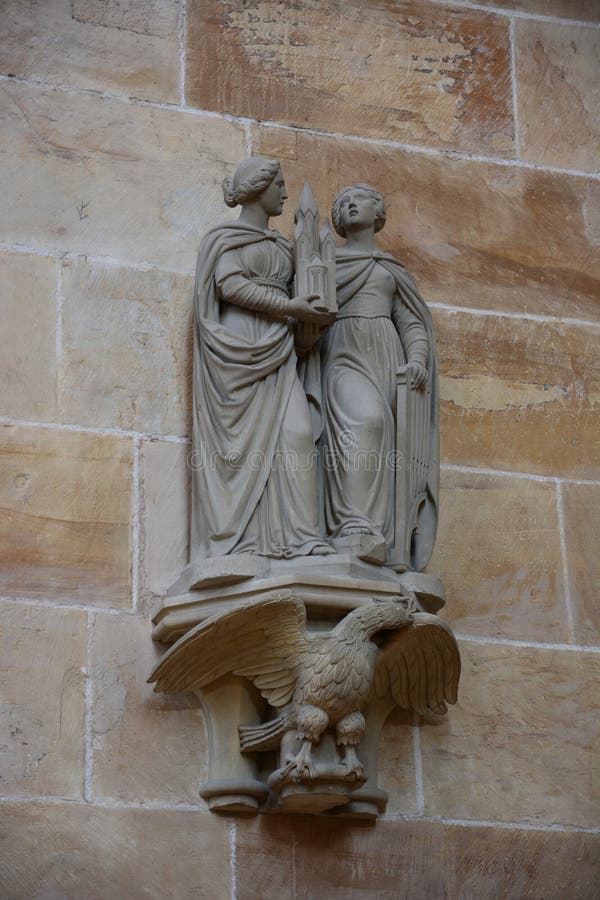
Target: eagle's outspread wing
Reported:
[(264, 642), (420, 667)]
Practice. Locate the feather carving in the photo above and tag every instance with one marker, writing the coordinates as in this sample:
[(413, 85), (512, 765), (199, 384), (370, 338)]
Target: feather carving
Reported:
[(419, 667), (265, 642), (382, 649)]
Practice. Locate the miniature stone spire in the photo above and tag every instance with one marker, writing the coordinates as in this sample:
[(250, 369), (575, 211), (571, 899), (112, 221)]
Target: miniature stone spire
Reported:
[(327, 251), (315, 254)]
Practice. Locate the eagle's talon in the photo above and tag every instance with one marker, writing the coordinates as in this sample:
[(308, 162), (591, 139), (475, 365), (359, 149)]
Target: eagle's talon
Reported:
[(300, 765), (355, 773), (355, 770), (298, 770)]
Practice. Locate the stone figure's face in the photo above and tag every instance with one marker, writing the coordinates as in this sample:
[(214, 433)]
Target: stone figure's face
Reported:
[(273, 197), (358, 210)]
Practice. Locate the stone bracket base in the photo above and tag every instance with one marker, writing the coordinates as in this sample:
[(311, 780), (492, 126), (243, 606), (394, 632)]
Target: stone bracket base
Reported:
[(237, 796), (331, 588)]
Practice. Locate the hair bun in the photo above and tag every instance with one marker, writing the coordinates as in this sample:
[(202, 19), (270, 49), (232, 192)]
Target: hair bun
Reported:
[(229, 194)]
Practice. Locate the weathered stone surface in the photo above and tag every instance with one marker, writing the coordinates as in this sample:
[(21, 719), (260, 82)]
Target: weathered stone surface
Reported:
[(420, 860), (584, 10), (127, 343), (519, 395), (498, 552), (473, 234), (146, 746), (90, 175), (152, 17), (396, 763), (264, 857), (408, 71), (130, 49), (582, 534), (558, 77), (65, 501), (96, 853), (42, 700), (522, 743), (28, 336), (165, 491)]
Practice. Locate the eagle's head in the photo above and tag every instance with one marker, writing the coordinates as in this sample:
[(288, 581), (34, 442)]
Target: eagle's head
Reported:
[(383, 615)]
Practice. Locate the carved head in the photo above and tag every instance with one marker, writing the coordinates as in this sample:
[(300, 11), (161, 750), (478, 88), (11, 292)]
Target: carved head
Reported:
[(256, 179), (358, 205), (384, 614)]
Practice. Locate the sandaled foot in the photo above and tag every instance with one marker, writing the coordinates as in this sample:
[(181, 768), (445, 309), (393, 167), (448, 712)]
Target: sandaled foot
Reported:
[(322, 550)]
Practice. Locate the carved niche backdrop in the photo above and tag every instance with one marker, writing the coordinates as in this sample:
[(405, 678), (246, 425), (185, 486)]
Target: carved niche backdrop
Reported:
[(304, 616)]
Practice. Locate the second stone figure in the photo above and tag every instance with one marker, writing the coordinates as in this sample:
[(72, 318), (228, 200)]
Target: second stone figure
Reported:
[(380, 440)]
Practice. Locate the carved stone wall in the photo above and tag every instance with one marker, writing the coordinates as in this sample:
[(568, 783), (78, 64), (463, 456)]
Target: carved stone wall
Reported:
[(119, 121)]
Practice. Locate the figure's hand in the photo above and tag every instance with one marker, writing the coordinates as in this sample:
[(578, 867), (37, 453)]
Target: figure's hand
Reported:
[(300, 307), (417, 374)]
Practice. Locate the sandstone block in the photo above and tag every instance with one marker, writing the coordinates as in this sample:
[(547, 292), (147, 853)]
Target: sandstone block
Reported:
[(498, 552), (127, 342), (558, 94), (538, 252), (420, 860), (165, 489), (28, 337), (42, 705), (519, 395), (522, 743), (146, 746), (96, 853), (130, 49), (396, 763), (586, 10), (582, 534), (65, 517), (85, 174), (270, 840), (409, 71)]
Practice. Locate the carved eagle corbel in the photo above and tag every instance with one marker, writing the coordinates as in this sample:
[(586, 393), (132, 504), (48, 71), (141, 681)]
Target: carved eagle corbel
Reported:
[(317, 680)]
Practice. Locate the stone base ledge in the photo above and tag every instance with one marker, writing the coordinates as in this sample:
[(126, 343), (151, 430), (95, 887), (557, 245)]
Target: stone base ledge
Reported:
[(329, 586)]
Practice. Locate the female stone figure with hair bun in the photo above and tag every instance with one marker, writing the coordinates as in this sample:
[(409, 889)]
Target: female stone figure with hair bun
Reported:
[(383, 327), (253, 478)]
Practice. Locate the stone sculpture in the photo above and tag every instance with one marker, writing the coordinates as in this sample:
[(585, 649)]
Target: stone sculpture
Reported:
[(317, 681), (304, 617), (379, 394), (250, 408)]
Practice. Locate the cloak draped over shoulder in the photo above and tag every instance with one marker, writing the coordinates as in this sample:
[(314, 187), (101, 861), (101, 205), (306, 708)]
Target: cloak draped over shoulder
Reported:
[(383, 323), (246, 393)]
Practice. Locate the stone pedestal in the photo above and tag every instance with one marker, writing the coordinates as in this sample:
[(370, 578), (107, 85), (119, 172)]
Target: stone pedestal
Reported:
[(330, 588)]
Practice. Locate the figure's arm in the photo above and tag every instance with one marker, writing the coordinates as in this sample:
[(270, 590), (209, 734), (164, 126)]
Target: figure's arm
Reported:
[(414, 340), (235, 287)]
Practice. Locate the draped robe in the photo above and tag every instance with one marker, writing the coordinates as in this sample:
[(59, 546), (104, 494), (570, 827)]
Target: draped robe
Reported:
[(360, 358), (249, 408)]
